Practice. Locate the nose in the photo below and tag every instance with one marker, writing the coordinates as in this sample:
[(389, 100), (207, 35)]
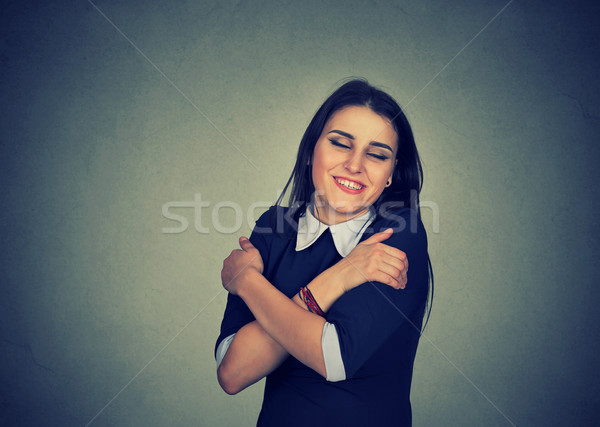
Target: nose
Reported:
[(354, 163)]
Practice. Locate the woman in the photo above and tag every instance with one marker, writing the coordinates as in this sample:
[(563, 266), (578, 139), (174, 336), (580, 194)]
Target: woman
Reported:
[(320, 297)]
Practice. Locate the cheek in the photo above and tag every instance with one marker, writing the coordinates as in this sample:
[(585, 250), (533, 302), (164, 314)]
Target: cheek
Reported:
[(380, 176), (317, 172), (319, 165)]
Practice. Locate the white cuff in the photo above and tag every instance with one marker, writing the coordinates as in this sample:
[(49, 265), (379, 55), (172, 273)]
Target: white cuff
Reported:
[(222, 349), (332, 355)]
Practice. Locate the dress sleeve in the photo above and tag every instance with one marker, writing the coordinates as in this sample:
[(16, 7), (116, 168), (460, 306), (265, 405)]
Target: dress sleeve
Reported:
[(369, 314), (237, 314)]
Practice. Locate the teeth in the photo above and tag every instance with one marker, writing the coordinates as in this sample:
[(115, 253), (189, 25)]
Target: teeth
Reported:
[(349, 184)]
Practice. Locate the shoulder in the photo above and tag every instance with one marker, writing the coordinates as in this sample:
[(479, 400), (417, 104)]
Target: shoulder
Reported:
[(407, 225), (265, 218), (279, 220)]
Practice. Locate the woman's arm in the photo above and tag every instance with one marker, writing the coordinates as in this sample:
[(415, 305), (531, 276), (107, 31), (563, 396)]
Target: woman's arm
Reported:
[(297, 330), (252, 355), (255, 353)]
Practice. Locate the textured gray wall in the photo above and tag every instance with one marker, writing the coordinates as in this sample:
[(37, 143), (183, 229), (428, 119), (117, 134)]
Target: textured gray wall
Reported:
[(106, 318)]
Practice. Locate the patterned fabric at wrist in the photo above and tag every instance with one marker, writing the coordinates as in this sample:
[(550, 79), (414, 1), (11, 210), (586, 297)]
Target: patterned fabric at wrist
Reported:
[(307, 297)]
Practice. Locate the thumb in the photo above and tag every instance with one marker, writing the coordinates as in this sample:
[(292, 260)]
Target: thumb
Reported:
[(379, 237), (245, 244)]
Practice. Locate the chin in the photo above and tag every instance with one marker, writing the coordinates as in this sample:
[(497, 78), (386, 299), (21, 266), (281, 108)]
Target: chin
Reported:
[(349, 210)]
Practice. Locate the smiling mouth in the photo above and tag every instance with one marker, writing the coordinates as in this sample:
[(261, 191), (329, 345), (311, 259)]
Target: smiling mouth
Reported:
[(352, 185)]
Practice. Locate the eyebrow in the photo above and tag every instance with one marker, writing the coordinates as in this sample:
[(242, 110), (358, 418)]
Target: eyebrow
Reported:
[(349, 136)]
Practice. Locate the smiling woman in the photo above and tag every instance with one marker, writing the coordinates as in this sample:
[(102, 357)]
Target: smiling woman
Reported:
[(347, 159), (321, 300)]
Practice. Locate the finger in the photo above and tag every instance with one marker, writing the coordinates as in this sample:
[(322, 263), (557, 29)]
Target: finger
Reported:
[(403, 280), (245, 244), (400, 268), (379, 237), (231, 254), (395, 252), (394, 272), (388, 280), (398, 261), (394, 255)]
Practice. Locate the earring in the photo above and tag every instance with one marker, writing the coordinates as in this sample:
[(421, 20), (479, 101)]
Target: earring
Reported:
[(388, 183)]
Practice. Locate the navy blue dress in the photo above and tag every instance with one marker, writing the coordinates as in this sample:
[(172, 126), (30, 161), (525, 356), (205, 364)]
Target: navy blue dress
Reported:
[(378, 328)]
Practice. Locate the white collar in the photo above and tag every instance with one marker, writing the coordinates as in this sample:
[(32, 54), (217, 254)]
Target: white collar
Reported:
[(346, 235)]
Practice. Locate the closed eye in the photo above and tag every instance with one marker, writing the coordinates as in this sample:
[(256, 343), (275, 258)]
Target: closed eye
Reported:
[(373, 155), (338, 144), (378, 156)]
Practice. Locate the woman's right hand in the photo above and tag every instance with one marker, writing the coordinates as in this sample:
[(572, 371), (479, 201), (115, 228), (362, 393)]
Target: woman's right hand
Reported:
[(372, 260)]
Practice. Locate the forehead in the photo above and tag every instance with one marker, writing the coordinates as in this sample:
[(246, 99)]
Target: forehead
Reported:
[(364, 124)]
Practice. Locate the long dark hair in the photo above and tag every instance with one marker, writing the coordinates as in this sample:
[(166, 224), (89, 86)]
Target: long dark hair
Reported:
[(407, 178)]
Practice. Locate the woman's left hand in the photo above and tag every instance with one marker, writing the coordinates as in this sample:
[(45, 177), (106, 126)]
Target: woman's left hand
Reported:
[(239, 261)]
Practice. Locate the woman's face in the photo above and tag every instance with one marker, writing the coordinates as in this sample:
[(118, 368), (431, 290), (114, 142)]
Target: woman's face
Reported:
[(352, 161)]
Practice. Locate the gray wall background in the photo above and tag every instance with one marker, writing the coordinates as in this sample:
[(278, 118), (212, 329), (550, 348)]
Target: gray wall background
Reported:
[(107, 320)]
